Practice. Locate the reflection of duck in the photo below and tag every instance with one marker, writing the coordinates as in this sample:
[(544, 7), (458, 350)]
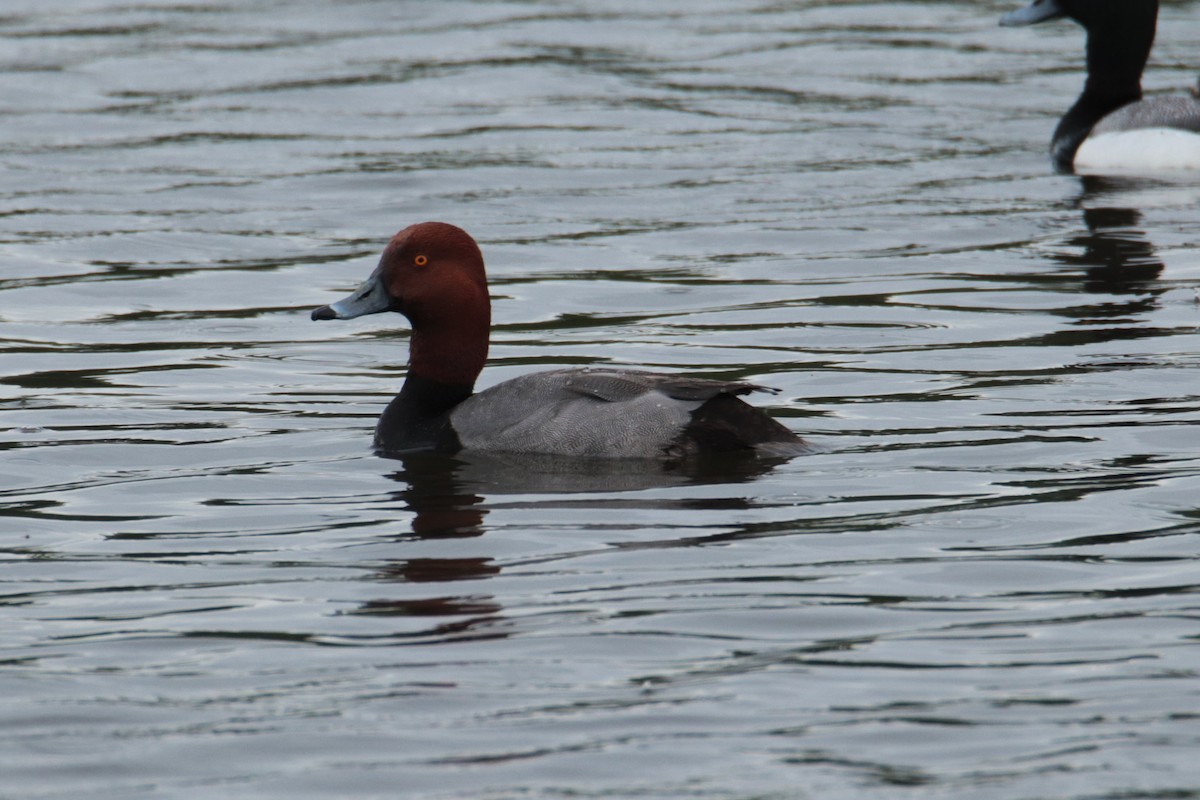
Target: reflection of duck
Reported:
[(445, 493), (1115, 252), (1110, 257), (443, 509), (433, 274), (1111, 127), (443, 506), (495, 474)]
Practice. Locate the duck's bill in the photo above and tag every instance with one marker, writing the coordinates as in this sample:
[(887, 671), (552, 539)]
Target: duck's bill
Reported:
[(1035, 12), (369, 298)]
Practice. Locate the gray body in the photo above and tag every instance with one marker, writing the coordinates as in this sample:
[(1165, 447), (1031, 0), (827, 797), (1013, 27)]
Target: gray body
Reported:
[(1181, 112), (598, 413)]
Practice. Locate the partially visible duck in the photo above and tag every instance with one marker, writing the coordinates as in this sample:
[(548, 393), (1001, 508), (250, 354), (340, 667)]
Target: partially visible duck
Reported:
[(1111, 127), (433, 274)]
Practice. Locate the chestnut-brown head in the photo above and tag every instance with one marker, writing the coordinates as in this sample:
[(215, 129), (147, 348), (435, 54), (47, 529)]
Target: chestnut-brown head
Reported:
[(433, 274)]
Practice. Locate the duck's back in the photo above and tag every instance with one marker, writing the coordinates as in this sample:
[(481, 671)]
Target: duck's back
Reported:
[(616, 414), (1179, 112)]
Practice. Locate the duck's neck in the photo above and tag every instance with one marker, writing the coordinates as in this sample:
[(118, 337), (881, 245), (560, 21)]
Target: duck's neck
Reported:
[(449, 353), (419, 417), (431, 398), (449, 342), (445, 357), (446, 353), (1116, 56)]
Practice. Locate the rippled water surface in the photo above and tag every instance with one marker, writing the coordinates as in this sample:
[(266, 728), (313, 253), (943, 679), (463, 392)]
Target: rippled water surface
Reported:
[(983, 585)]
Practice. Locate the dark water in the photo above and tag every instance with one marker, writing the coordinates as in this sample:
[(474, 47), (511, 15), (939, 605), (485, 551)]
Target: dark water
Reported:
[(985, 585)]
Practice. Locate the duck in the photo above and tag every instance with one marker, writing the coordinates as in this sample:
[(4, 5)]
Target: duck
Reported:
[(432, 273), (1111, 127)]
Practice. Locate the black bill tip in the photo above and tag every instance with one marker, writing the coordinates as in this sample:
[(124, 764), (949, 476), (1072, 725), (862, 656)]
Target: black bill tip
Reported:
[(324, 312)]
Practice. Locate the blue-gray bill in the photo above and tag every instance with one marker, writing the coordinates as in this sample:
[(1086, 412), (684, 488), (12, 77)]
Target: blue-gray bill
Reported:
[(369, 298), (1035, 12)]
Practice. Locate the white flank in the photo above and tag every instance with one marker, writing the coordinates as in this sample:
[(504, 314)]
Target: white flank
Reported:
[(1141, 150)]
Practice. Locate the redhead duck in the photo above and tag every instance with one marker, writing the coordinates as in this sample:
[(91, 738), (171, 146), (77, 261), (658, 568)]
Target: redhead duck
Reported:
[(433, 274), (1111, 127)]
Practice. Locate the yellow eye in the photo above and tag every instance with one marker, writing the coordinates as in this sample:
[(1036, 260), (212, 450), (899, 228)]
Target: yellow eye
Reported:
[(421, 261)]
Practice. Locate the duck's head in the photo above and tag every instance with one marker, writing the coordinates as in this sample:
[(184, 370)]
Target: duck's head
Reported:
[(433, 274)]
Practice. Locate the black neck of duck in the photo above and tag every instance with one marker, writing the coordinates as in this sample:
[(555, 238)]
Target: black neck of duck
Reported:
[(1078, 122), (433, 397), (419, 417), (1116, 56)]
